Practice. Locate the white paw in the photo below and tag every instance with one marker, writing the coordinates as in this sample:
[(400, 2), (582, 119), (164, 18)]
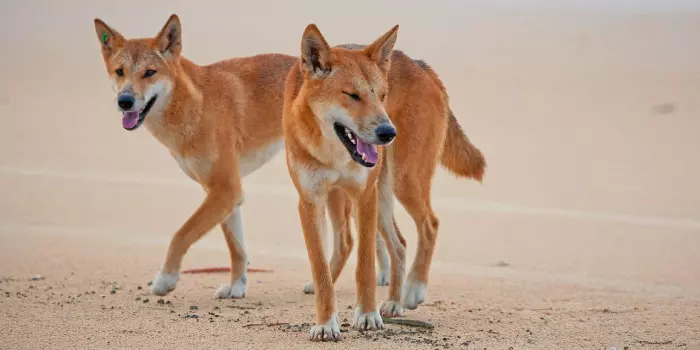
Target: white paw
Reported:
[(383, 277), (326, 332), (309, 287), (163, 283), (391, 308), (233, 291), (367, 321), (413, 294)]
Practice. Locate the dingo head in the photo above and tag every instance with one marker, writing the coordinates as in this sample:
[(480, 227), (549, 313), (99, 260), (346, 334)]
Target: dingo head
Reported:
[(141, 70), (346, 90)]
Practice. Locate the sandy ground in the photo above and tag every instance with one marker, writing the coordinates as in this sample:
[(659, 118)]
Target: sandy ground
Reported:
[(585, 233)]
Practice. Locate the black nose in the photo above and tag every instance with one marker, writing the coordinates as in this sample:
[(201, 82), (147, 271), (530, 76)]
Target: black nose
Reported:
[(385, 132), (125, 102)]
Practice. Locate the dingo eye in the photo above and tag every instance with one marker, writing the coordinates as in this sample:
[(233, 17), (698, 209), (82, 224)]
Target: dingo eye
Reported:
[(149, 73), (355, 97), (120, 72)]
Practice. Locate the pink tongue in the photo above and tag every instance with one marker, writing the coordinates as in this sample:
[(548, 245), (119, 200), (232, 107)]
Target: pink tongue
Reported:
[(370, 151), (130, 119)]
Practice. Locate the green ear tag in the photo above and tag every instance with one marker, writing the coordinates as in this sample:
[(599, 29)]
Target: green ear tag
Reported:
[(104, 38)]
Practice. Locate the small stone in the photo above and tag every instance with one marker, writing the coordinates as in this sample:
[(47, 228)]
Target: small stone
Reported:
[(194, 307), (145, 300), (161, 301), (139, 287)]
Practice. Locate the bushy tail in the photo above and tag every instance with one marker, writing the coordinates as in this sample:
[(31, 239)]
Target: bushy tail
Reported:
[(459, 155)]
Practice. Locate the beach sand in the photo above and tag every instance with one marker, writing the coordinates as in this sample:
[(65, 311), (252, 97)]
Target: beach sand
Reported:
[(585, 233)]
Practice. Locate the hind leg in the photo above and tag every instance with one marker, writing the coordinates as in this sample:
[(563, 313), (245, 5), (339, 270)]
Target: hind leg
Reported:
[(392, 306), (395, 244), (223, 193), (415, 161), (416, 199), (383, 262)]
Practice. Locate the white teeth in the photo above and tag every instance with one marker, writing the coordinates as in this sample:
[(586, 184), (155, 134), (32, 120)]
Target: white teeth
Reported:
[(364, 157), (353, 141)]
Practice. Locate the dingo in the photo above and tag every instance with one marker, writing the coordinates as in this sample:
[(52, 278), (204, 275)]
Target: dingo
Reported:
[(220, 122), (340, 104)]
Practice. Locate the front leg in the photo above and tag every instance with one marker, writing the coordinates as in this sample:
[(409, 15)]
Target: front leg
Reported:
[(366, 315), (339, 210), (217, 206), (312, 222)]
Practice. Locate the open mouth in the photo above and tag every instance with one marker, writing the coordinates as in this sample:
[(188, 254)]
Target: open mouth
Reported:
[(363, 153), (133, 119)]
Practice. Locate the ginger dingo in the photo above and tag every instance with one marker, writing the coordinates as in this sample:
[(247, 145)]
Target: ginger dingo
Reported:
[(341, 103)]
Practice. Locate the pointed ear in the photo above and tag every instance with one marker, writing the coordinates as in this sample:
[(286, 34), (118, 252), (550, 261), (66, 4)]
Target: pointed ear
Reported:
[(380, 50), (110, 39), (169, 40), (315, 52)]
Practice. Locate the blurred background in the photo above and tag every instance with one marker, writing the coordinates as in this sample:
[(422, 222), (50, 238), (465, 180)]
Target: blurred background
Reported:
[(587, 113)]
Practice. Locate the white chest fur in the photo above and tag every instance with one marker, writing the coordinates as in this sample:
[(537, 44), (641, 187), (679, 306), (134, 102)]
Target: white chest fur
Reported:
[(314, 181), (253, 160), (197, 168)]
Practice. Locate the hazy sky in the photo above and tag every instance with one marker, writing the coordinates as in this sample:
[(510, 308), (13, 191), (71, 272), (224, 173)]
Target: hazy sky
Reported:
[(618, 5)]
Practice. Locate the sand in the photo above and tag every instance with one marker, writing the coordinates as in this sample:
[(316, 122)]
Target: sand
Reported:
[(585, 233)]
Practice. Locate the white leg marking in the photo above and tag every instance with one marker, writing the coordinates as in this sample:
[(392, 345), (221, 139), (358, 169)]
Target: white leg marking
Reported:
[(163, 283), (383, 262), (413, 293), (367, 321), (392, 308), (386, 222), (309, 287), (236, 290), (239, 287), (328, 331)]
